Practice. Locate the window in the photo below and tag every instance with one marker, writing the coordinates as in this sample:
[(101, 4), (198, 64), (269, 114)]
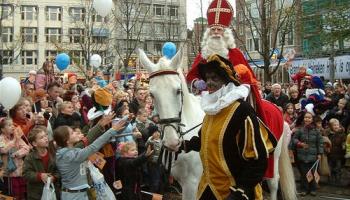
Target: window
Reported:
[(78, 58), (290, 38), (241, 29), (29, 35), (158, 47), (76, 35), (158, 28), (99, 39), (173, 11), (50, 54), (53, 13), (98, 18), (240, 16), (251, 45), (7, 34), (6, 11), (29, 12), (78, 14), (7, 57), (158, 10), (53, 34), (174, 29), (29, 57), (144, 9)]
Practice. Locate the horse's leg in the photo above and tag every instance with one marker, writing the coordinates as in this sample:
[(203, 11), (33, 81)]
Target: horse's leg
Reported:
[(187, 171), (273, 182)]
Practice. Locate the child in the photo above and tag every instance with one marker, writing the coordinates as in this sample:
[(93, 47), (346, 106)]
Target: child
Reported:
[(336, 155), (39, 164), (71, 161), (129, 169), (12, 144), (308, 143), (153, 167), (289, 115)]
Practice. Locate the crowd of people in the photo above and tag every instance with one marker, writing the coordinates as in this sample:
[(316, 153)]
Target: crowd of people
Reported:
[(57, 125), (319, 117), (61, 125)]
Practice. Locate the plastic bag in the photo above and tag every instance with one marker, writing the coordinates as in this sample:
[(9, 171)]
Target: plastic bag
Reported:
[(11, 165), (324, 167), (48, 191), (103, 191)]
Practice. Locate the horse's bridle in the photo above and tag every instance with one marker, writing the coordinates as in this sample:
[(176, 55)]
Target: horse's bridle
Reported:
[(168, 122)]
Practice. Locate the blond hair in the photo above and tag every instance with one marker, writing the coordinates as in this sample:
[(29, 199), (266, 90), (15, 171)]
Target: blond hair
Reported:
[(62, 105), (332, 122), (124, 147)]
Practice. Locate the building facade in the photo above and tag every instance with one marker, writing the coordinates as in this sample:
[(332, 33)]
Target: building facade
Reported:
[(250, 26), (34, 31)]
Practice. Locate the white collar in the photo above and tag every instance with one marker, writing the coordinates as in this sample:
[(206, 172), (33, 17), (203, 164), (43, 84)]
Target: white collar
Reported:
[(93, 113), (215, 102)]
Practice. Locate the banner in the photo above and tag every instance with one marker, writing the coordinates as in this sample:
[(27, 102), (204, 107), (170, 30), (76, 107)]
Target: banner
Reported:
[(320, 67)]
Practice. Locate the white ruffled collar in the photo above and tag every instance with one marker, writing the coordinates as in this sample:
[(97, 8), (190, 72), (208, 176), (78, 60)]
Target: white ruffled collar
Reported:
[(215, 102)]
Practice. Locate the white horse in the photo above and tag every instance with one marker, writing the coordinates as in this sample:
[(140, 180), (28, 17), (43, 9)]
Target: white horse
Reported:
[(180, 110)]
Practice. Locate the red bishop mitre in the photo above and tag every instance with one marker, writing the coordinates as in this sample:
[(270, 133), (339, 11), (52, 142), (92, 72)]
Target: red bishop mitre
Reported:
[(219, 13)]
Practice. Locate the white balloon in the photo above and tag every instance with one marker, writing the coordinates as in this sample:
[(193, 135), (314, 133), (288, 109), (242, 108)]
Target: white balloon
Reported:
[(103, 7), (95, 60), (10, 92)]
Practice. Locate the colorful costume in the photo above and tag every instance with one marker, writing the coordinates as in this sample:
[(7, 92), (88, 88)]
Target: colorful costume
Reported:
[(233, 143), (216, 17)]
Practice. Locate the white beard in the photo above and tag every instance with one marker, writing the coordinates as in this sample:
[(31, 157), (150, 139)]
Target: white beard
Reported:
[(215, 45)]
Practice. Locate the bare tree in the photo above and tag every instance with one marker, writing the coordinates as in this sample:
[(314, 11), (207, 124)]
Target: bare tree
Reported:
[(268, 22), (89, 35), (130, 17), (9, 45)]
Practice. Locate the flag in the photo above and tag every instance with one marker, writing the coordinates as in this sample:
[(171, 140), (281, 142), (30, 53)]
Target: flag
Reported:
[(309, 176), (317, 177)]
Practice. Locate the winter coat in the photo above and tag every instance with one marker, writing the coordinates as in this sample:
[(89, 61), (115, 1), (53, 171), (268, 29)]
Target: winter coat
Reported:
[(281, 101), (129, 172), (34, 165), (21, 149), (68, 120), (337, 151), (313, 138)]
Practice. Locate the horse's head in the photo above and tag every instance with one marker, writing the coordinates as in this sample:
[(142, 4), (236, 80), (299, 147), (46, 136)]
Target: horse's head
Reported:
[(166, 90)]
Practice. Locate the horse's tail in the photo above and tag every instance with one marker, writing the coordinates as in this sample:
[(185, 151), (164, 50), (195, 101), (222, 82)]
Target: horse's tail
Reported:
[(287, 180)]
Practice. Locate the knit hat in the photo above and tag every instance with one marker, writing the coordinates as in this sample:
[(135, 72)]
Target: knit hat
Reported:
[(103, 96), (316, 82)]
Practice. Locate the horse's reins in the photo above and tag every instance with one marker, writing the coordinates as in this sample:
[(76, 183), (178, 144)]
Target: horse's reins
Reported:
[(168, 121), (168, 155)]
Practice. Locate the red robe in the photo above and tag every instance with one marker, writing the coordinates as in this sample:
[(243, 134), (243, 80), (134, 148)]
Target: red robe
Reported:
[(274, 120)]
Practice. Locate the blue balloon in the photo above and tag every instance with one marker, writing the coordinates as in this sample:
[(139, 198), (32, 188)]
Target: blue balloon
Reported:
[(309, 71), (62, 61), (169, 50)]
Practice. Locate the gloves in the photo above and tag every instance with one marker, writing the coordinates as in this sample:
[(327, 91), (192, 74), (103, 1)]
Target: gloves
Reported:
[(237, 194), (200, 85)]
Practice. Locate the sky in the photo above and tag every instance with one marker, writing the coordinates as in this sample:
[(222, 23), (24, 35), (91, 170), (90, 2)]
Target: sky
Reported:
[(194, 11)]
